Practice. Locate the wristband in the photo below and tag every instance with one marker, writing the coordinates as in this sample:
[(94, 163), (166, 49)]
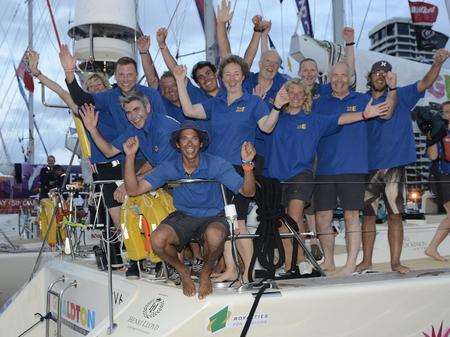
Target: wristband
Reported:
[(258, 30), (392, 89), (36, 74), (277, 108), (143, 53), (350, 43)]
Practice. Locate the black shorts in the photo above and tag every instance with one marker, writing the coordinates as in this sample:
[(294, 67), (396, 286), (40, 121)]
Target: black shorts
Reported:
[(387, 184), (238, 200), (299, 187), (444, 186), (108, 171), (348, 189), (190, 228)]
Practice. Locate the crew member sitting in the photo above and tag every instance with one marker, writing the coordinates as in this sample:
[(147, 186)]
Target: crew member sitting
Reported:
[(199, 205)]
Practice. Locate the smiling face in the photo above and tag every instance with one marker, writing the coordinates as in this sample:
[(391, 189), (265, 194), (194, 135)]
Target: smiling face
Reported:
[(189, 144), (137, 113), (206, 79), (308, 72), (51, 161), (126, 77), (169, 89), (340, 79), (297, 96), (95, 85), (378, 80), (233, 77), (269, 65)]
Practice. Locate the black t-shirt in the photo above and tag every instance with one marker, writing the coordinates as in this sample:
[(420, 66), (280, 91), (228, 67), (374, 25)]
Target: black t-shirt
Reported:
[(50, 178)]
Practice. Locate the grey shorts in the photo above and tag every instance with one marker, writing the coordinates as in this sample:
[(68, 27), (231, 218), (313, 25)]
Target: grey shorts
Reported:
[(345, 190), (190, 228), (299, 187), (387, 184), (444, 186)]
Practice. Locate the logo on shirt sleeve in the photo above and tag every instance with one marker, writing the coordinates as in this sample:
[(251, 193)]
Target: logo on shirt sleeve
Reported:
[(155, 148), (240, 109), (351, 108), (302, 126)]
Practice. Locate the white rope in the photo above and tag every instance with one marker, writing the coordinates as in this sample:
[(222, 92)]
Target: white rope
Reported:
[(243, 27)]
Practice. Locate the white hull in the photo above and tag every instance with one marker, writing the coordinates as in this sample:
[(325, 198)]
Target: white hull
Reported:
[(366, 305)]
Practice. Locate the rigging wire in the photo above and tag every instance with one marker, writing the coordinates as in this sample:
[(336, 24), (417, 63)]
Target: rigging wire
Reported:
[(282, 31), (364, 22), (328, 21), (243, 27)]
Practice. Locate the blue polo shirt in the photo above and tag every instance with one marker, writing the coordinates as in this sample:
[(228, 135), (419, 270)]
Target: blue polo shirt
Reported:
[(443, 165), (320, 90), (231, 125), (344, 152), (154, 138), (197, 96), (391, 141), (108, 102), (197, 199), (293, 143), (108, 132), (251, 81)]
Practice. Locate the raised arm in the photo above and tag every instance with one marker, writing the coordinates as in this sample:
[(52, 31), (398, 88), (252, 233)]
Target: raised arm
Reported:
[(391, 99), (248, 153), (143, 44), (90, 120), (252, 48), (266, 26), (189, 110), (267, 123), (169, 60), (68, 62), (348, 34), (432, 74), (224, 15), (33, 63), (133, 185)]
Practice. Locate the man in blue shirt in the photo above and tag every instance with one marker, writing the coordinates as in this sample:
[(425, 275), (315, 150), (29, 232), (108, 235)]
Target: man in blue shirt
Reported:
[(342, 167), (441, 153), (199, 205), (391, 147)]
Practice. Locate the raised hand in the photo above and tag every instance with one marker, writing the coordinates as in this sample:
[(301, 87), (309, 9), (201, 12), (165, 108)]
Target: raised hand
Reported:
[(33, 60), (391, 79), (161, 36), (143, 43), (348, 34), (68, 62), (377, 110), (256, 20), (282, 97), (179, 72), (131, 146), (441, 56), (89, 116), (224, 13), (266, 25), (248, 151), (258, 90)]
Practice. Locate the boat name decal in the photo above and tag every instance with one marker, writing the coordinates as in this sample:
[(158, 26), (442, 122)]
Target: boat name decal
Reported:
[(224, 319), (79, 314), (143, 323)]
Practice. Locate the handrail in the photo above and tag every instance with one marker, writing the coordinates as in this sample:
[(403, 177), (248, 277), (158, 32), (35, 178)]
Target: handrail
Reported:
[(59, 106)]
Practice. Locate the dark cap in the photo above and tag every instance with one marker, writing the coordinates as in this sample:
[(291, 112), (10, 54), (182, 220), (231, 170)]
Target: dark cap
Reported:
[(188, 124), (381, 65)]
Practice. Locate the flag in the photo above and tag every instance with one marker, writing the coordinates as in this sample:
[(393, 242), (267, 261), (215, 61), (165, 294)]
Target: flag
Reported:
[(304, 16), (21, 89), (429, 39), (423, 13), (272, 46), (23, 73)]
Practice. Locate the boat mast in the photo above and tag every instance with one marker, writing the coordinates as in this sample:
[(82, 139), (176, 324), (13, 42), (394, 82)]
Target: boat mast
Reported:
[(447, 4), (210, 32), (30, 154), (338, 21)]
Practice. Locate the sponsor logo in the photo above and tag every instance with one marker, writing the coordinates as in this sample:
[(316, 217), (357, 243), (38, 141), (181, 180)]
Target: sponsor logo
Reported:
[(441, 332), (351, 108), (240, 109), (153, 308), (117, 297), (155, 148), (224, 319), (414, 245), (78, 314), (302, 126)]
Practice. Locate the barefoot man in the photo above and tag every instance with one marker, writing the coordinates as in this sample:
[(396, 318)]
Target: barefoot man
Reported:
[(199, 206)]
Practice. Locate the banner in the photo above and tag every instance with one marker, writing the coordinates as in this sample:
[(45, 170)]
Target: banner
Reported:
[(423, 13), (304, 16), (428, 39), (23, 73)]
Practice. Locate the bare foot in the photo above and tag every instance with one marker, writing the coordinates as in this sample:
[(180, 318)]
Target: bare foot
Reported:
[(188, 285), (228, 275), (400, 268), (433, 253), (328, 267), (363, 266), (344, 272), (205, 287)]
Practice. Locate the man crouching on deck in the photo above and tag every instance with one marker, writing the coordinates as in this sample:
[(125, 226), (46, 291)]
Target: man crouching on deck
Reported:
[(199, 206)]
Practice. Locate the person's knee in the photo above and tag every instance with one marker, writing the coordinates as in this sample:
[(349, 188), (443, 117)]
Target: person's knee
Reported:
[(323, 218), (215, 235), (351, 217), (161, 237)]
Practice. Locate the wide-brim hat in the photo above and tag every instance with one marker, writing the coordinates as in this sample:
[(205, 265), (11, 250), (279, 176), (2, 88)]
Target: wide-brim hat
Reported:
[(188, 124)]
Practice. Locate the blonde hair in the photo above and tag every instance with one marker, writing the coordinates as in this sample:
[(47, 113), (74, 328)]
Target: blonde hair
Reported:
[(96, 76), (307, 104)]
